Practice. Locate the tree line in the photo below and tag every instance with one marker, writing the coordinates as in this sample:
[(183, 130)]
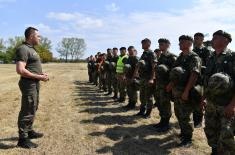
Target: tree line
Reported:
[(70, 49)]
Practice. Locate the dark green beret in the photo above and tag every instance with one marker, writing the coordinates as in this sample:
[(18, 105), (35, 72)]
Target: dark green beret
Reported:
[(186, 37), (224, 34), (146, 40), (163, 40)]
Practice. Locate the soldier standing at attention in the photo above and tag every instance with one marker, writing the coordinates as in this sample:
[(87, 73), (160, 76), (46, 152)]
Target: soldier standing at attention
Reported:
[(113, 65), (132, 87), (220, 97), (28, 66), (164, 65), (145, 68), (108, 71), (204, 54), (188, 65), (120, 74)]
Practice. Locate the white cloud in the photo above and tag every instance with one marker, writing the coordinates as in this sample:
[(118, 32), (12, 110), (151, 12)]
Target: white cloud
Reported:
[(128, 29), (78, 20), (112, 7)]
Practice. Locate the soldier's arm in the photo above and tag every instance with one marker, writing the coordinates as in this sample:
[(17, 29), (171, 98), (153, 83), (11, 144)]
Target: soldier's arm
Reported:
[(21, 70), (191, 82)]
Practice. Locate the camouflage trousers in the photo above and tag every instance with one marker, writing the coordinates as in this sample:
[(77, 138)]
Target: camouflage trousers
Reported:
[(146, 94), (132, 93), (102, 82), (109, 81), (121, 86), (95, 77), (29, 105), (164, 103), (114, 83), (183, 111), (90, 75), (219, 129)]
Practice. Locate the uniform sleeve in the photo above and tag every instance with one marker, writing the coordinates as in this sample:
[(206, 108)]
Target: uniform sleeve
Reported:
[(21, 54), (195, 65), (124, 60)]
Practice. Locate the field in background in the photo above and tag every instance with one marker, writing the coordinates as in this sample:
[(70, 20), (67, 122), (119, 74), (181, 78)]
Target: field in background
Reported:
[(77, 119)]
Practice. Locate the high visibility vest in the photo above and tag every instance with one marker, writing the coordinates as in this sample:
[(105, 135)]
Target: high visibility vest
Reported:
[(120, 64)]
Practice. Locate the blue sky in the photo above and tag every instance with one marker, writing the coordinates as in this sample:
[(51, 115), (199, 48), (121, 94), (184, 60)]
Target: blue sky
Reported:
[(115, 23)]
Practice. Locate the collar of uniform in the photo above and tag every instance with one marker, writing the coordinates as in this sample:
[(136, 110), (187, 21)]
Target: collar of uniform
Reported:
[(27, 44), (223, 53), (201, 47), (189, 53), (149, 50), (165, 53)]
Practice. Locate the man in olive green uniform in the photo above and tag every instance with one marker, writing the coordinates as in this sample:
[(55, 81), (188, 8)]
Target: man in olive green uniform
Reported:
[(108, 71), (220, 96), (157, 53), (164, 65), (204, 54), (113, 65), (146, 74), (90, 68), (120, 74), (96, 72), (132, 89), (28, 66), (181, 90)]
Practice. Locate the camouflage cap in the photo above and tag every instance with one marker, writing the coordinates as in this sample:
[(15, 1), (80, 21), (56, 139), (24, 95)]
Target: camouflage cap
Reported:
[(224, 34), (163, 40), (186, 37), (219, 83)]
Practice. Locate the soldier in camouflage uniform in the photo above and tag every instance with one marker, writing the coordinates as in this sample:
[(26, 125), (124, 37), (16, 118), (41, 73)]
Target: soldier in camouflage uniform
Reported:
[(190, 64), (108, 71), (219, 93), (113, 73), (164, 65), (155, 95), (145, 68), (129, 69), (204, 54), (90, 68), (121, 75)]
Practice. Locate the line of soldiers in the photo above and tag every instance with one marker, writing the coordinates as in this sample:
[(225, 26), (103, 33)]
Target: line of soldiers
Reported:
[(198, 80)]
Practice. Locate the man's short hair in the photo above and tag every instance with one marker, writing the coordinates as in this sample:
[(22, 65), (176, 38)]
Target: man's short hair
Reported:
[(130, 47), (186, 37), (146, 40), (122, 48), (224, 34), (29, 31), (199, 34), (163, 40), (115, 48)]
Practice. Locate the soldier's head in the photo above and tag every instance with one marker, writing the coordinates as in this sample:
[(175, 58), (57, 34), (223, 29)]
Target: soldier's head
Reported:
[(164, 44), (185, 43), (123, 51), (109, 51), (115, 51), (98, 53), (131, 51), (32, 36), (146, 43), (198, 39), (221, 39)]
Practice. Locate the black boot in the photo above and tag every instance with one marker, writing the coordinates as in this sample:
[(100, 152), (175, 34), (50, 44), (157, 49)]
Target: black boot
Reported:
[(141, 112), (115, 96), (33, 135), (197, 119), (148, 113), (214, 151), (26, 143), (165, 126), (185, 142)]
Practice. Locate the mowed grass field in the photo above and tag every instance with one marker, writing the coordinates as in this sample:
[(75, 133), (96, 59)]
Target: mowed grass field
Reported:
[(77, 119)]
